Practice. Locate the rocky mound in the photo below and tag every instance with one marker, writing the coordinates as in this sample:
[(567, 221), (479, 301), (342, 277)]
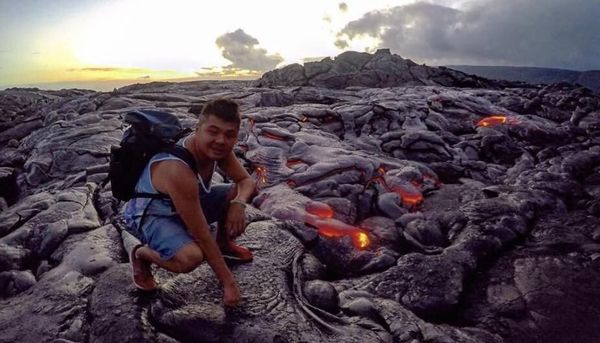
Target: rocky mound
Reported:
[(381, 69), (406, 214)]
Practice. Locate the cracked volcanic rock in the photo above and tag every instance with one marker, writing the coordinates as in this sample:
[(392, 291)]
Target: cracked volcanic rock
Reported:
[(396, 203)]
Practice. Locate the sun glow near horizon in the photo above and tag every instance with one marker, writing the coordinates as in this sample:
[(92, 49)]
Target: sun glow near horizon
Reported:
[(181, 36), (155, 40), (144, 35)]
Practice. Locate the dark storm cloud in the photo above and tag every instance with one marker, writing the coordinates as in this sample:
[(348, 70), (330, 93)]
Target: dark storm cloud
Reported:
[(547, 33), (240, 48)]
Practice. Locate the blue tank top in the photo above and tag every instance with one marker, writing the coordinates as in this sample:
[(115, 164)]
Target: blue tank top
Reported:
[(162, 207)]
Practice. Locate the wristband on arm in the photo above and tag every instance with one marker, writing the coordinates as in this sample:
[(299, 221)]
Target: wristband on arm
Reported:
[(239, 202)]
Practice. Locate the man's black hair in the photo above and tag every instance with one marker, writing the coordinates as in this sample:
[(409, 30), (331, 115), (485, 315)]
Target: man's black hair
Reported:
[(225, 109)]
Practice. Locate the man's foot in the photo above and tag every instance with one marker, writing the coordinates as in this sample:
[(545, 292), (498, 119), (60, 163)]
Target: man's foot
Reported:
[(236, 253), (142, 272)]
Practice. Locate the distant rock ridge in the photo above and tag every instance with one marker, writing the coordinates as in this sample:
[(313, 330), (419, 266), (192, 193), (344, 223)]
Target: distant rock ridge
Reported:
[(378, 70), (535, 75)]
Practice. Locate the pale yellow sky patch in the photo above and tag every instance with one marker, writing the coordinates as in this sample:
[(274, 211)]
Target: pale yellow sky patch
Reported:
[(159, 39)]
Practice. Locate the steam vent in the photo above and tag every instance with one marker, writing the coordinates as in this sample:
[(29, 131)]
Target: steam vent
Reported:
[(396, 203)]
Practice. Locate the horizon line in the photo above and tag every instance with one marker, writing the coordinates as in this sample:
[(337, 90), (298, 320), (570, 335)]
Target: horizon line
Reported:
[(112, 84)]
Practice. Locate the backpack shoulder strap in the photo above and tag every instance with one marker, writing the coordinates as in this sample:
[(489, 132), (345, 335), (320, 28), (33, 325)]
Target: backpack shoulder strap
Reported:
[(179, 152), (183, 154)]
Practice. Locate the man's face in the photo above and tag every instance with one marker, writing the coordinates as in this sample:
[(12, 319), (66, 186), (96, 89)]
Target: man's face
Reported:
[(216, 137)]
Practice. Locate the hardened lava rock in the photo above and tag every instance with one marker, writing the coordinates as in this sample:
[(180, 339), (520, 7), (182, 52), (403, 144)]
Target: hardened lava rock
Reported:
[(402, 204)]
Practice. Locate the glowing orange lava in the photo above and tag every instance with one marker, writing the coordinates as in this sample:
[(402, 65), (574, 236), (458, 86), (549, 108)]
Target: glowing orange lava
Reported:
[(496, 120), (362, 240), (359, 238), (292, 162), (319, 209), (273, 136), (410, 194), (330, 227), (261, 173), (409, 197)]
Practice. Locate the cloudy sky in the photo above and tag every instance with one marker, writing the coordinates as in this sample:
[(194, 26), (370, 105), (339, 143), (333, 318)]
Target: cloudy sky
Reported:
[(98, 43)]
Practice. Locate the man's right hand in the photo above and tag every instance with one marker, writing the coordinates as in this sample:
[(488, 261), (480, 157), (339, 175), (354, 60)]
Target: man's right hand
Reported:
[(231, 294)]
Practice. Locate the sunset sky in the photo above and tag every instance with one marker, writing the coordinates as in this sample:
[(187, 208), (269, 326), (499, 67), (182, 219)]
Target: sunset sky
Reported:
[(99, 44)]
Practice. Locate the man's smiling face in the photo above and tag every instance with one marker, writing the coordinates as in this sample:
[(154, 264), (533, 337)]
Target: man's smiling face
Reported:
[(216, 138)]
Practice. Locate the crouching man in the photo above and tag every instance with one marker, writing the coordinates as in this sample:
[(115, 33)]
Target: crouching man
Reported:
[(175, 231)]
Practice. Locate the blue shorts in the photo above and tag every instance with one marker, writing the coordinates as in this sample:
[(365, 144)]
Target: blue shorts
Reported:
[(166, 235)]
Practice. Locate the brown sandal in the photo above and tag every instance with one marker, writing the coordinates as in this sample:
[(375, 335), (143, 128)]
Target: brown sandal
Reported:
[(141, 272), (236, 253)]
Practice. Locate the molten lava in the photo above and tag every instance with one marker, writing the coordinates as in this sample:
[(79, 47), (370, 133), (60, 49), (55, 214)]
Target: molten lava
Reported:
[(261, 173), (336, 228), (496, 120), (408, 197), (362, 240), (319, 209), (320, 216), (410, 194), (292, 162), (273, 136)]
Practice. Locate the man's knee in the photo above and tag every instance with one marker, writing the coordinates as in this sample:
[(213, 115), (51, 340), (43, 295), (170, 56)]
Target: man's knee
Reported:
[(188, 258)]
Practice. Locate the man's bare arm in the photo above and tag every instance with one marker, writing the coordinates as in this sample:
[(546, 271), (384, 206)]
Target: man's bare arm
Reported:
[(179, 182), (234, 169), (235, 223)]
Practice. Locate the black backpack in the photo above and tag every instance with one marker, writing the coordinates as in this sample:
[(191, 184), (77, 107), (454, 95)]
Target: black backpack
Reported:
[(150, 132)]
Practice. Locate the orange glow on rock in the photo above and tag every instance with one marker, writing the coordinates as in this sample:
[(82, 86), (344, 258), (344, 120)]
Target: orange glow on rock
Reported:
[(410, 194), (261, 173), (273, 136), (411, 197), (334, 228), (496, 120), (292, 162), (319, 209), (362, 240)]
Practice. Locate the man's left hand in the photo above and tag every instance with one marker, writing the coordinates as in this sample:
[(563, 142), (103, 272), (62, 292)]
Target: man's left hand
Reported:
[(235, 224)]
